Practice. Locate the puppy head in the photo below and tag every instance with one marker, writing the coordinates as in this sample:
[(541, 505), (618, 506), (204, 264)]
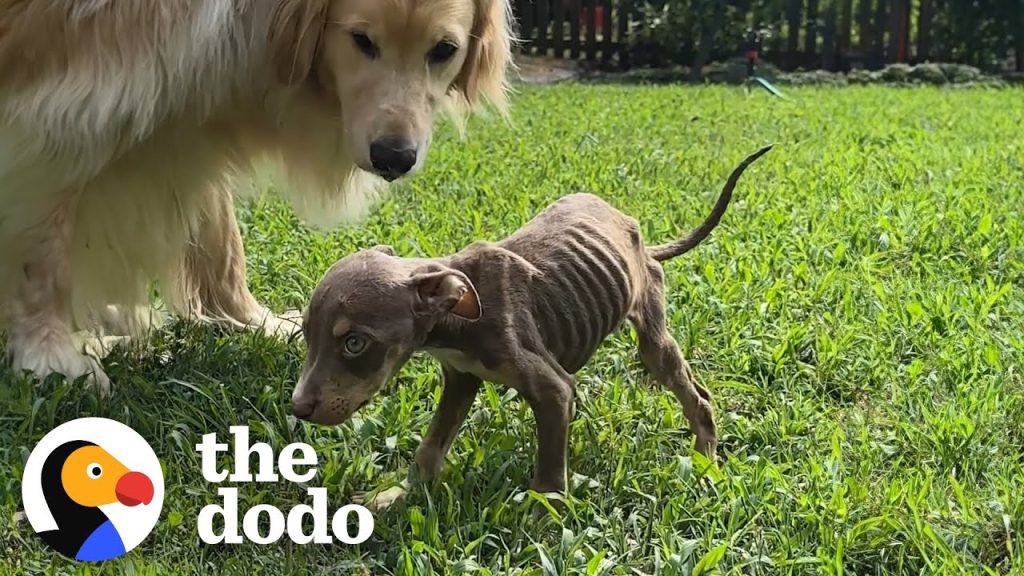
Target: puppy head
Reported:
[(393, 65), (367, 316)]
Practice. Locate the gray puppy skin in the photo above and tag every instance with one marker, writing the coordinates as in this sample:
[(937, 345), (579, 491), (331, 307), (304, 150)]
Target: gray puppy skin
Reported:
[(526, 312)]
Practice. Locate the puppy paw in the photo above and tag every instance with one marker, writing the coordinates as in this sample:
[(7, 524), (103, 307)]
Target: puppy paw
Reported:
[(429, 461), (553, 499)]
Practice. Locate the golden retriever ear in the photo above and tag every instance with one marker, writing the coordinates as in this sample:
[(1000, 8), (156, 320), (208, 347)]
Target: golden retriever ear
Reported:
[(295, 29), (484, 72)]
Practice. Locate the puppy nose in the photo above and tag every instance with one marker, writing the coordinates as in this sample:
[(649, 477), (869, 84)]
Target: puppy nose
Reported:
[(302, 410), (392, 157)]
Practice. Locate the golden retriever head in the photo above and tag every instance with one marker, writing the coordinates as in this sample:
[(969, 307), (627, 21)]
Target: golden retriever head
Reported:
[(393, 65)]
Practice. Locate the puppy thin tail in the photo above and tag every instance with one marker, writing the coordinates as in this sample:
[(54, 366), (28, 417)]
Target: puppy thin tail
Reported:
[(683, 245)]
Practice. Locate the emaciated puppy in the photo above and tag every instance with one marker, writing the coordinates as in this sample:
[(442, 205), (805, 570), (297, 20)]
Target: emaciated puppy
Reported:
[(527, 312)]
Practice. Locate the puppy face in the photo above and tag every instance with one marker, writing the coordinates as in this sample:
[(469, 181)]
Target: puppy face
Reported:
[(367, 316), (393, 65)]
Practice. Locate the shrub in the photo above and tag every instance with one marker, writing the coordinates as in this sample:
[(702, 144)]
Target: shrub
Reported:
[(663, 33), (815, 78), (734, 71), (1015, 78), (961, 73), (928, 73), (897, 73), (859, 76)]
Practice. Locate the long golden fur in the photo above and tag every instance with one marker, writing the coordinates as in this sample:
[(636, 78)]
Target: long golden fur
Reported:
[(123, 125)]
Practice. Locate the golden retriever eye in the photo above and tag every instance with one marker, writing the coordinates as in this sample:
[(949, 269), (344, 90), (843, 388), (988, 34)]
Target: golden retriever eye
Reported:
[(442, 52), (365, 45)]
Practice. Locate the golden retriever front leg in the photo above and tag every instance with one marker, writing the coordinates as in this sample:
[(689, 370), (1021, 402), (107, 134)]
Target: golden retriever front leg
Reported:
[(39, 334), (213, 285)]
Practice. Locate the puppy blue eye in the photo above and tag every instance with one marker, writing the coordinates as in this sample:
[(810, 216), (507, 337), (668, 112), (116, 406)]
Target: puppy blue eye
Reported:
[(365, 45), (354, 344), (442, 52)]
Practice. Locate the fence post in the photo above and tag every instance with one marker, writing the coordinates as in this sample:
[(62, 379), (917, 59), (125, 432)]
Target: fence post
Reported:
[(878, 45), (606, 31), (925, 14), (589, 10), (864, 35), (574, 30), (1018, 38), (793, 21), (524, 14), (811, 39), (557, 21), (625, 12), (828, 38), (897, 31), (845, 39), (543, 20)]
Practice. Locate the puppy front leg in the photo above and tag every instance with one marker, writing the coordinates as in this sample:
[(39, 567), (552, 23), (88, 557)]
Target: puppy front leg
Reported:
[(457, 397), (550, 393)]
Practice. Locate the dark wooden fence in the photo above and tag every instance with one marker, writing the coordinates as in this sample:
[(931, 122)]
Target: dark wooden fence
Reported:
[(593, 30), (827, 34)]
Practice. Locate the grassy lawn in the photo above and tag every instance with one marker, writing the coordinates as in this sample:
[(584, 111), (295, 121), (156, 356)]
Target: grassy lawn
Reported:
[(858, 317)]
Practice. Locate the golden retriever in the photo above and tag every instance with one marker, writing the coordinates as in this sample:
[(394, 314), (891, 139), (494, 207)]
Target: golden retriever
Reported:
[(124, 123)]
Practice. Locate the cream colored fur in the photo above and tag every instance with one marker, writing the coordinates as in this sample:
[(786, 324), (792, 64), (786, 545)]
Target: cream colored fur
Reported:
[(126, 126)]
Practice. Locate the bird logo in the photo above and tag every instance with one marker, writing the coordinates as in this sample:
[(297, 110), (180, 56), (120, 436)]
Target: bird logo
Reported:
[(92, 489)]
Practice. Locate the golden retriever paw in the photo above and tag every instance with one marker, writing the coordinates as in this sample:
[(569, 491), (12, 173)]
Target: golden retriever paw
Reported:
[(95, 346), (59, 355), (129, 320), (283, 325), (382, 501)]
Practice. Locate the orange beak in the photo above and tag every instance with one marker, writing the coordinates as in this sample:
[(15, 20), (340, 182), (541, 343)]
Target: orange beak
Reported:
[(134, 488)]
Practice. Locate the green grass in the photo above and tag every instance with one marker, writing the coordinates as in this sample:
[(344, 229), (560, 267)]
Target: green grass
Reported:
[(857, 316)]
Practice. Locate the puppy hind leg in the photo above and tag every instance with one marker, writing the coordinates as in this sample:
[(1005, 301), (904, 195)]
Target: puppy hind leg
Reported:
[(39, 319), (663, 359), (211, 283)]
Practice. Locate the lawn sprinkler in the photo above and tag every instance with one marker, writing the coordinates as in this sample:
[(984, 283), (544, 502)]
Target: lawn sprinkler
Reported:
[(752, 49)]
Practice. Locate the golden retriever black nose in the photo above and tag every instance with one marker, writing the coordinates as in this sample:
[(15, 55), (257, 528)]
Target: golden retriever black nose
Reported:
[(392, 157)]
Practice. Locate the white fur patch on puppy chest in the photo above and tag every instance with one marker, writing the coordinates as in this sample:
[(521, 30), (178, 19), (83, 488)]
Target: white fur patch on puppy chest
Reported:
[(465, 363)]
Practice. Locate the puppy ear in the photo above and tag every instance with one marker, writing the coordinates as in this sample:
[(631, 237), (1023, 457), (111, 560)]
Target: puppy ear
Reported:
[(295, 30), (384, 248), (446, 291), (484, 71)]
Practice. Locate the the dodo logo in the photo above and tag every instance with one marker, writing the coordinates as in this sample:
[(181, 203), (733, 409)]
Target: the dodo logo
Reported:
[(92, 489)]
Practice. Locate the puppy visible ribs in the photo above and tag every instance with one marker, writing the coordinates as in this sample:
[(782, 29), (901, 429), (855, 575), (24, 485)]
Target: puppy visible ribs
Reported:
[(593, 267)]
